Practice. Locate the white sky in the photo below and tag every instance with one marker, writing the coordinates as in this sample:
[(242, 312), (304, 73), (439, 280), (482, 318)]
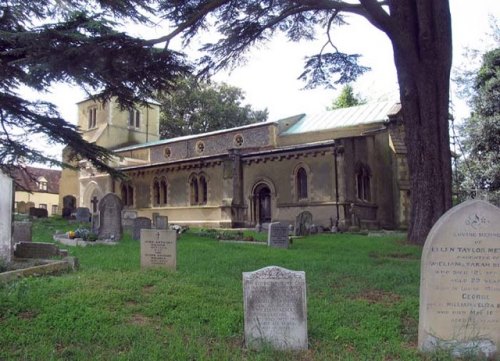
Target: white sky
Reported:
[(269, 79)]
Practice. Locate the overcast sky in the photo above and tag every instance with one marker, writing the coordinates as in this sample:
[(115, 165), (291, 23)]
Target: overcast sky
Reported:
[(269, 79)]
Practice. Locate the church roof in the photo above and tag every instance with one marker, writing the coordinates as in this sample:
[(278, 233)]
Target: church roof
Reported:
[(342, 118)]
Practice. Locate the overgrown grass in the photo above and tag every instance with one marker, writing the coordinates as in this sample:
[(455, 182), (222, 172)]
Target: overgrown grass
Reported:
[(362, 298)]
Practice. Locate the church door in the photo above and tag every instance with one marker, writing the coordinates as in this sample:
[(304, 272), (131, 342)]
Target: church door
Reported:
[(263, 203)]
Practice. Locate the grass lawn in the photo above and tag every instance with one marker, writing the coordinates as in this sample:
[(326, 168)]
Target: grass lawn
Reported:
[(362, 300)]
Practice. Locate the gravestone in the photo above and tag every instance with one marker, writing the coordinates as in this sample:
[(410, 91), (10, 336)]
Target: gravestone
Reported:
[(303, 223), (275, 308), (110, 217), (21, 232), (69, 205), (128, 217), (83, 214), (153, 217), (21, 207), (161, 222), (460, 282), (158, 248), (6, 202), (140, 223), (36, 250), (94, 223), (278, 235)]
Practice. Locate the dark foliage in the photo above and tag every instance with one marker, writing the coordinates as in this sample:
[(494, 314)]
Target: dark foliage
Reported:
[(46, 42)]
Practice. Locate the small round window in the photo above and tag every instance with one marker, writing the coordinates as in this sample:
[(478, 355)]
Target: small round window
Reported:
[(167, 152), (238, 140), (200, 147)]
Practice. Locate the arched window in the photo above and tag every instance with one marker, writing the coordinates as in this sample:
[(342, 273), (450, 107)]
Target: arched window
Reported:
[(127, 193), (363, 175), (156, 192), (194, 190), (301, 183), (163, 191), (203, 190)]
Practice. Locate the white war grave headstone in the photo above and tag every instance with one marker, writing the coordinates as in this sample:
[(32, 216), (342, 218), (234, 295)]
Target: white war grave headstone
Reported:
[(6, 202), (460, 282), (275, 308), (158, 248), (277, 235)]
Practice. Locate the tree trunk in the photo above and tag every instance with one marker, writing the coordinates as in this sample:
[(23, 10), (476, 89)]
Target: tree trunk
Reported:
[(422, 54)]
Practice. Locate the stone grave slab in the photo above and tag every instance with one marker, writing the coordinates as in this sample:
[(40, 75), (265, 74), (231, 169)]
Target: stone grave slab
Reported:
[(128, 217), (275, 308), (277, 235), (161, 222), (21, 232), (460, 282), (6, 202), (158, 248), (36, 250), (82, 214), (140, 223), (110, 217)]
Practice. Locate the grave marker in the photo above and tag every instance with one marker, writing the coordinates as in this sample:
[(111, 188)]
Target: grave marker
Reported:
[(275, 308), (277, 235), (110, 220), (128, 217), (21, 232), (83, 214), (6, 202), (158, 248), (140, 223), (460, 282), (161, 222)]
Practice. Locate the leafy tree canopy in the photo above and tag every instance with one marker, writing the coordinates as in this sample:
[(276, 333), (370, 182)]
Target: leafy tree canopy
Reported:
[(198, 106), (346, 99), (481, 131), (43, 42)]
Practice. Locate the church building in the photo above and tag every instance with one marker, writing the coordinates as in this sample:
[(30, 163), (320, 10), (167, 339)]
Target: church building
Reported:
[(346, 167)]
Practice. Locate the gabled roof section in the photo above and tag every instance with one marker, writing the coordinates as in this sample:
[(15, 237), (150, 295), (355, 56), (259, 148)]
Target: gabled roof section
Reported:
[(343, 118), (27, 177)]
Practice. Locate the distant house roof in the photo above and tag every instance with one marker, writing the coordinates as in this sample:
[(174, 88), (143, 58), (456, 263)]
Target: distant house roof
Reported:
[(343, 118), (29, 178)]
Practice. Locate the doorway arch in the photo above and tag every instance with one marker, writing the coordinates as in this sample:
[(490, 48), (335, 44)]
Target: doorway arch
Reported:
[(262, 197)]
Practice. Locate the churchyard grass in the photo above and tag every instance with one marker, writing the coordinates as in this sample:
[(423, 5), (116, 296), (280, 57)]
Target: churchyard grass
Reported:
[(362, 300)]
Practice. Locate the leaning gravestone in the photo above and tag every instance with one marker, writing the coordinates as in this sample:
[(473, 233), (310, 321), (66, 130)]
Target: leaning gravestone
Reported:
[(21, 232), (110, 220), (6, 202), (460, 282), (278, 235), (303, 223), (140, 223), (82, 214), (275, 307), (158, 248), (161, 222)]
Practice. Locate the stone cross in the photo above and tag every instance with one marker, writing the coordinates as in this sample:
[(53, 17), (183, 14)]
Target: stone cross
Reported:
[(94, 202)]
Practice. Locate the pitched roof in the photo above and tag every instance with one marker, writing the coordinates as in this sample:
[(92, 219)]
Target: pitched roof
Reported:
[(342, 118), (26, 179)]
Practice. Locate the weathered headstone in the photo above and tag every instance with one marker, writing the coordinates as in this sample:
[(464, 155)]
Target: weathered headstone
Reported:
[(95, 222), (140, 223), (153, 217), (460, 282), (21, 232), (6, 202), (275, 308), (69, 205), (36, 250), (128, 217), (110, 217), (277, 235), (161, 222), (21, 207), (83, 214), (303, 223), (158, 248)]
